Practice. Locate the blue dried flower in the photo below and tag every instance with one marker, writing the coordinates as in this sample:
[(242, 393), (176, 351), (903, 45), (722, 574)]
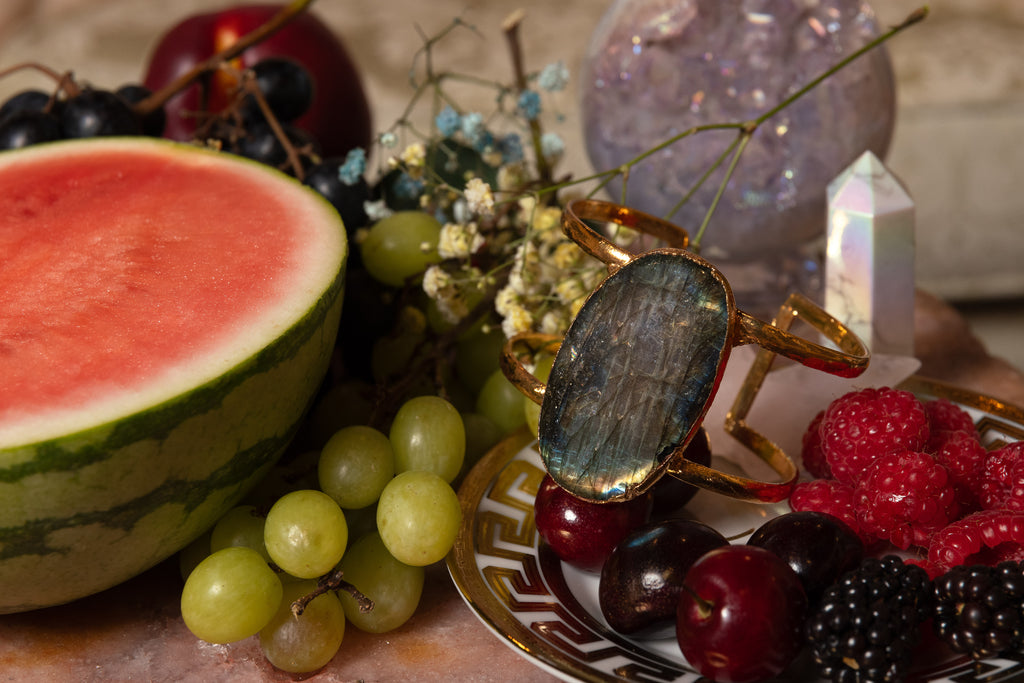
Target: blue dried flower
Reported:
[(552, 146), (473, 127), (554, 77), (354, 166), (407, 187), (529, 104), (448, 121), (511, 148)]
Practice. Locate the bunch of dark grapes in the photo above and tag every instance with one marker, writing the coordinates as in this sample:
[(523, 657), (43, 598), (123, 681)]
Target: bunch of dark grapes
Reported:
[(33, 116), (866, 626)]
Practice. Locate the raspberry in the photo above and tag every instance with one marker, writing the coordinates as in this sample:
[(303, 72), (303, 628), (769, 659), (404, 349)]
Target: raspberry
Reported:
[(863, 425), (905, 498), (964, 456), (831, 497), (985, 537), (946, 416), (811, 453), (997, 475)]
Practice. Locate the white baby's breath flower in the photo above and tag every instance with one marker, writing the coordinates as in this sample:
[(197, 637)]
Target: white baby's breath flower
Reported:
[(569, 290), (566, 255), (517, 321), (459, 240), (478, 197), (553, 322), (413, 157), (505, 300), (512, 177), (435, 279)]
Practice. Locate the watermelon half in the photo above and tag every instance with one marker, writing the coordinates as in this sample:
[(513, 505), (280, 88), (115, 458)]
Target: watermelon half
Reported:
[(166, 316)]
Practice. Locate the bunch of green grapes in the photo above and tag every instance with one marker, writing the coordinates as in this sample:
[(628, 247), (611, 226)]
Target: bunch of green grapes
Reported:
[(390, 494)]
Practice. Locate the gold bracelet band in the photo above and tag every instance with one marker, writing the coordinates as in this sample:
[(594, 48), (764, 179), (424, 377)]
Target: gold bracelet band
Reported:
[(640, 365)]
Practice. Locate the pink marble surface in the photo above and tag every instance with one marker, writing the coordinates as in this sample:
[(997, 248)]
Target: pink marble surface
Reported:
[(135, 631)]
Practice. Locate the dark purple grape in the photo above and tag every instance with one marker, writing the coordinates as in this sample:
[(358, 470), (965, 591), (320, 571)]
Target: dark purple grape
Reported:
[(154, 122), (26, 127), (27, 100), (261, 144), (642, 579), (286, 86), (819, 547), (347, 199), (94, 113)]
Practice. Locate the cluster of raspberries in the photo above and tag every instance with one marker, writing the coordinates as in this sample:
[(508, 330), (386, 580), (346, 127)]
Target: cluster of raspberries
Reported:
[(915, 473)]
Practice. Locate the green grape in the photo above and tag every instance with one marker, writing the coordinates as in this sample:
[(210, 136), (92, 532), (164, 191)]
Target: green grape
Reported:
[(307, 642), (427, 434), (394, 587), (418, 517), (296, 473), (482, 434), (306, 533), (355, 466), (391, 355), (192, 554), (476, 357), (531, 410), (502, 402), (344, 404), (230, 596), (240, 526), (401, 246)]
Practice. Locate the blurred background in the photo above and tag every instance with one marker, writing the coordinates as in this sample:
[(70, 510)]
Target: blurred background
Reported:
[(957, 146)]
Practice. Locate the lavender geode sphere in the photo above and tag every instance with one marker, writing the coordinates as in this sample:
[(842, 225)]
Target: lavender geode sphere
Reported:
[(655, 68)]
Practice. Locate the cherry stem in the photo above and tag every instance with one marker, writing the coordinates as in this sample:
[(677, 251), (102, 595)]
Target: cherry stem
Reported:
[(332, 582), (257, 35), (704, 607)]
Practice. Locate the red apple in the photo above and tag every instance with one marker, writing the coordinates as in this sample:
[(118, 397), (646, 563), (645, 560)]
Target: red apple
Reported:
[(339, 117)]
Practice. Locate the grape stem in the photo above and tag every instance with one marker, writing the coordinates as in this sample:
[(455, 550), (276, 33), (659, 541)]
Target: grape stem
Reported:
[(257, 35), (332, 582), (65, 81)]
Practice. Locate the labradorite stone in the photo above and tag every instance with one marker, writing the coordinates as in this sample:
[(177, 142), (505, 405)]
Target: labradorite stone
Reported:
[(634, 373)]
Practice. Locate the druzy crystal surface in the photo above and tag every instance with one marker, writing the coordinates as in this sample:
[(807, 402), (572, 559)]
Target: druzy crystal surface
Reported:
[(635, 374), (655, 68)]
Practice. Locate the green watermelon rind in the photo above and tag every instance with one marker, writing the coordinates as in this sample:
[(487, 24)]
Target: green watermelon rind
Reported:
[(134, 503)]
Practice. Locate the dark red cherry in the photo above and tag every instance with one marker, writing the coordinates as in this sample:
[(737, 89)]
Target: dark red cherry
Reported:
[(643, 577), (581, 532)]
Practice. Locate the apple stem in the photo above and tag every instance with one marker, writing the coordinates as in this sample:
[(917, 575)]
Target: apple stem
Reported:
[(257, 35), (704, 607)]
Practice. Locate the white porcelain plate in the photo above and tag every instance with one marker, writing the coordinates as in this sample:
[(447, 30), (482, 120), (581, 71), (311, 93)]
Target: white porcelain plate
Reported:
[(548, 611)]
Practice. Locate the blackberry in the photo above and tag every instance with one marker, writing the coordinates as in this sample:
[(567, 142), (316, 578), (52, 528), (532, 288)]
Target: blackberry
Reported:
[(866, 625), (979, 609)]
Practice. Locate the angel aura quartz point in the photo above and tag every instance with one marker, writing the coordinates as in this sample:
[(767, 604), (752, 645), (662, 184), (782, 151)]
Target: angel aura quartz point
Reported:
[(635, 374), (655, 68), (869, 264)]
